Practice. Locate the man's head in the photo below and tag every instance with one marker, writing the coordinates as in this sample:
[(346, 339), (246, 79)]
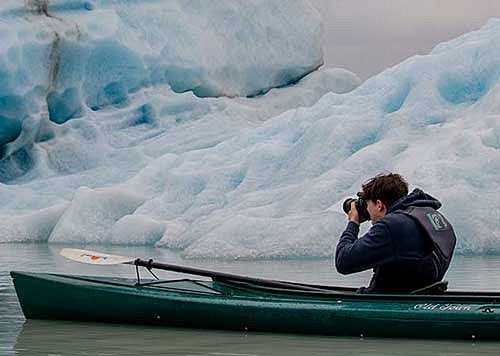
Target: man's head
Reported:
[(381, 191)]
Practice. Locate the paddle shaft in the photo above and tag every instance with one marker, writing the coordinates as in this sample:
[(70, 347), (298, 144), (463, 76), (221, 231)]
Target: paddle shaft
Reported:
[(228, 276)]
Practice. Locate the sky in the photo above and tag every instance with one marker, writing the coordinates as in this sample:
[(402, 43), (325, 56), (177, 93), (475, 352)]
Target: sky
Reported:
[(368, 36)]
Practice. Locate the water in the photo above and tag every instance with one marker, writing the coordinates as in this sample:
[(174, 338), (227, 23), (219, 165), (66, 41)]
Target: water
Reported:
[(36, 337)]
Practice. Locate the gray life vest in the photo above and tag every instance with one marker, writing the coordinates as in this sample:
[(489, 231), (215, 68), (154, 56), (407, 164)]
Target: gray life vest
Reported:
[(441, 233)]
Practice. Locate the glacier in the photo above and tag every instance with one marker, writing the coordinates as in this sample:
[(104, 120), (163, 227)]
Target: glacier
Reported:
[(118, 154)]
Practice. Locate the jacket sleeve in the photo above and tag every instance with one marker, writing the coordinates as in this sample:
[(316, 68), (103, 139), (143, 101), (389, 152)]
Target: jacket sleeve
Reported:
[(374, 248)]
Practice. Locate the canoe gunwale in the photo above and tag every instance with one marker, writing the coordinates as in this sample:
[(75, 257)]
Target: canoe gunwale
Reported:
[(220, 287), (454, 296)]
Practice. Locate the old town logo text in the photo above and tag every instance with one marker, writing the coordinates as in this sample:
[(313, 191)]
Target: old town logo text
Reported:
[(442, 307)]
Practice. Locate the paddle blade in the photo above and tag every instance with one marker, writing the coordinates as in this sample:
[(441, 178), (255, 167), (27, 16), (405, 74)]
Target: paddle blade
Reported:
[(94, 258)]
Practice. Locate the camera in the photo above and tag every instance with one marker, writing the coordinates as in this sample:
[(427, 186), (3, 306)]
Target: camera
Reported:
[(361, 207)]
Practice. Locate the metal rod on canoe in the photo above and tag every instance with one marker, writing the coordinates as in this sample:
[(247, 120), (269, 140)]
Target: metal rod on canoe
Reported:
[(224, 276)]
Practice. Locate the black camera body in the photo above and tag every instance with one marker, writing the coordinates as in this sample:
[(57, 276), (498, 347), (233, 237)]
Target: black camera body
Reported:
[(361, 207)]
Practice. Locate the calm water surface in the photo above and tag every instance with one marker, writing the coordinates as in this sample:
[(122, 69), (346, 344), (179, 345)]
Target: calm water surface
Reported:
[(34, 337)]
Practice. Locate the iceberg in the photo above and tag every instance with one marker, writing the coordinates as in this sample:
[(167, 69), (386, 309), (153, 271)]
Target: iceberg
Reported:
[(62, 59), (240, 177)]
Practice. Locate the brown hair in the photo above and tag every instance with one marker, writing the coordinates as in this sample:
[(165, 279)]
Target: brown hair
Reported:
[(387, 188)]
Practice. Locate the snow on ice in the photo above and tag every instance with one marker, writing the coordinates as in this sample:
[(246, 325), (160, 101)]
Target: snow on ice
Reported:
[(131, 138)]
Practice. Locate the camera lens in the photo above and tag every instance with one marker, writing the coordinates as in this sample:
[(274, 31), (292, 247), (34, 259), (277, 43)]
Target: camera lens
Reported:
[(347, 205), (361, 207)]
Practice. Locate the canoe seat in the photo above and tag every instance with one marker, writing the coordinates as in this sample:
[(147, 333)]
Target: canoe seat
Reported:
[(434, 288)]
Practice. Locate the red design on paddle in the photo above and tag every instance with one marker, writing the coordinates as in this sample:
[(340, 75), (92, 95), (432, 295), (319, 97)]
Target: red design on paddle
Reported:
[(93, 257)]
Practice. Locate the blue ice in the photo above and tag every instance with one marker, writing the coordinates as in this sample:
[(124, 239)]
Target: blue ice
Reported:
[(131, 127)]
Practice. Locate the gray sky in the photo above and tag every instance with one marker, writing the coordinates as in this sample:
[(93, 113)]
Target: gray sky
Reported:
[(367, 36)]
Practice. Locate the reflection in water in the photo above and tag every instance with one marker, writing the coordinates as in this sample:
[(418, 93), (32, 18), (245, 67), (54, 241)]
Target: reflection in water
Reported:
[(66, 338), (34, 337)]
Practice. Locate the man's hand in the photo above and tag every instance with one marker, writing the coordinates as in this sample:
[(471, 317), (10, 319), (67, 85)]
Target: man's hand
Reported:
[(353, 213)]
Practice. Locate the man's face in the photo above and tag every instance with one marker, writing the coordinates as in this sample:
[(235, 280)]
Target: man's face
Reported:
[(376, 209)]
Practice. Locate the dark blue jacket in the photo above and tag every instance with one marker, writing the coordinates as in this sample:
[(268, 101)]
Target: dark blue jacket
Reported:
[(396, 247)]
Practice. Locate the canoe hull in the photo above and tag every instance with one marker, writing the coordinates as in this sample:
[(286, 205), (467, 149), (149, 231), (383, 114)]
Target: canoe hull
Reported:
[(48, 296)]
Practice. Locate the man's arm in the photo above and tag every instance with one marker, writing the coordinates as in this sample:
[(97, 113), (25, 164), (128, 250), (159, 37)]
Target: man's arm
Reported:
[(356, 255)]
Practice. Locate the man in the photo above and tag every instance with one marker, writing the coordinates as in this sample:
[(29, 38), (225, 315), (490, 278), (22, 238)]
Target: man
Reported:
[(409, 245)]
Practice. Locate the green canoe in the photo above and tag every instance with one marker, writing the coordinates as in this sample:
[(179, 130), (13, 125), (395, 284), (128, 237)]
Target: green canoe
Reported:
[(234, 305)]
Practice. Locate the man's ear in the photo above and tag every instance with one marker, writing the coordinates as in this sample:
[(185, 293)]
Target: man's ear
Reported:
[(380, 205)]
